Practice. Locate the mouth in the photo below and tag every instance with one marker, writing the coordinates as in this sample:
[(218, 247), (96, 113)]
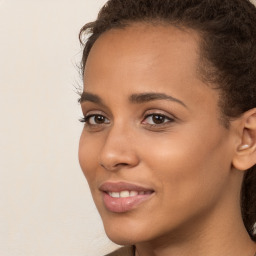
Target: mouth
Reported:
[(126, 193), (122, 197)]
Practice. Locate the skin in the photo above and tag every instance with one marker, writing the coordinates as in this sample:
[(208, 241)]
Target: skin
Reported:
[(187, 159)]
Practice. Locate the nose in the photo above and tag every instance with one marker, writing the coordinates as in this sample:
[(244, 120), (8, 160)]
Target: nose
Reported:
[(118, 150)]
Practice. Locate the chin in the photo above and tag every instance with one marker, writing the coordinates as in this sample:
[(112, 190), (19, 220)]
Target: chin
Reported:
[(130, 237), (121, 239), (123, 230)]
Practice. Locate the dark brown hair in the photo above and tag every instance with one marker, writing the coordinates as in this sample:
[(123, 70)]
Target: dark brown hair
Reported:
[(228, 47)]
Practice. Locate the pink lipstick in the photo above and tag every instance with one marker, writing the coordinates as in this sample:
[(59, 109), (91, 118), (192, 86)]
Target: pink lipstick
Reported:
[(122, 197)]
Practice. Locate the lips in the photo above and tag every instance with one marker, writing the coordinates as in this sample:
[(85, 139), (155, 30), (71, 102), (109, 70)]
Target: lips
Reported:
[(122, 197)]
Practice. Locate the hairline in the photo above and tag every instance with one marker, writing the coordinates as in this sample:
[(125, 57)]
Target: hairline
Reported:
[(204, 64)]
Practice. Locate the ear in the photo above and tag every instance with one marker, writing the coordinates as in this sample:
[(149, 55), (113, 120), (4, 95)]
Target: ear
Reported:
[(245, 153)]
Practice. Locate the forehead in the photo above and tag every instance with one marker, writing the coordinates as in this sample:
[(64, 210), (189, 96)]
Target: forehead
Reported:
[(148, 58), (145, 47)]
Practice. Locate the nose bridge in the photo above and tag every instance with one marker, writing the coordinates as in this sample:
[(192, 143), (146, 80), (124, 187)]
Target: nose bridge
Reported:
[(118, 149)]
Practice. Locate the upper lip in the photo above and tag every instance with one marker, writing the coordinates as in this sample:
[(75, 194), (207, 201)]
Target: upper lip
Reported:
[(122, 186)]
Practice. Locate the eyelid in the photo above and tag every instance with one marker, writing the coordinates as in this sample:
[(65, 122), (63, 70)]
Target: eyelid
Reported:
[(88, 117), (90, 113), (94, 112), (88, 106), (159, 112), (168, 122)]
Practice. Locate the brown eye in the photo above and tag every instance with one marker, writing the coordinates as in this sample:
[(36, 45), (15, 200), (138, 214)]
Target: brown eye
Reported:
[(99, 119), (96, 120), (157, 119)]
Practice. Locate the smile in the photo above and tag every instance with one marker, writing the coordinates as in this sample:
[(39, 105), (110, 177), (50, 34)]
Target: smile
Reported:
[(123, 197), (126, 193)]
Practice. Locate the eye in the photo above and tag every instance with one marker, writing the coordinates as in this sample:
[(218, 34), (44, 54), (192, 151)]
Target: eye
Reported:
[(95, 120), (157, 119)]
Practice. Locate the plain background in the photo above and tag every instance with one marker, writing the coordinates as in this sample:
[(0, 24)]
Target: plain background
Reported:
[(45, 204)]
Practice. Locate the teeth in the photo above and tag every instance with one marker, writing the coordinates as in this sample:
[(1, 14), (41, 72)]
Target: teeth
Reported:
[(126, 193), (133, 193), (114, 194)]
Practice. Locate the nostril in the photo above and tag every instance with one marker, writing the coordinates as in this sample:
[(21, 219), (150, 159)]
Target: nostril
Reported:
[(114, 166), (122, 164)]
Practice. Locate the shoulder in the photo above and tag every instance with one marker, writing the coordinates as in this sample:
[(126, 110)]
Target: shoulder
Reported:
[(123, 251)]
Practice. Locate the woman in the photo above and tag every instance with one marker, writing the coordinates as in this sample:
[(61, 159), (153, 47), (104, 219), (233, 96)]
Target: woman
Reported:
[(169, 142)]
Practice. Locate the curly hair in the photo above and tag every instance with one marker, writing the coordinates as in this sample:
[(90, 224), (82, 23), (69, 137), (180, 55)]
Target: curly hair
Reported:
[(227, 29)]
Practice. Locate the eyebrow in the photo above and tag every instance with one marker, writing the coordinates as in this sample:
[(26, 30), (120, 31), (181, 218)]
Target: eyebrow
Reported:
[(145, 97), (86, 96), (134, 98)]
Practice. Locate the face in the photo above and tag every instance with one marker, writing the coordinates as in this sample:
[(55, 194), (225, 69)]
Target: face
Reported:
[(153, 150)]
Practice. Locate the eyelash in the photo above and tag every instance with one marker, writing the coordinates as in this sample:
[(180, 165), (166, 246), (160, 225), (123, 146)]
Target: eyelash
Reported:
[(87, 118), (167, 120)]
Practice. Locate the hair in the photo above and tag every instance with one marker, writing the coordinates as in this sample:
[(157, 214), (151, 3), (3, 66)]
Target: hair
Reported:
[(227, 30)]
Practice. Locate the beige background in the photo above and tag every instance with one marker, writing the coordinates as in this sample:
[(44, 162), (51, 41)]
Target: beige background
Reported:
[(45, 205)]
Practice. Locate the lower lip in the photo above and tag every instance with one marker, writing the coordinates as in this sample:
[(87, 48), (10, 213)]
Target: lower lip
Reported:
[(121, 205)]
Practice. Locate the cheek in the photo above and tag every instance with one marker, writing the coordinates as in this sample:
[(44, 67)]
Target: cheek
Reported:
[(188, 169), (87, 157)]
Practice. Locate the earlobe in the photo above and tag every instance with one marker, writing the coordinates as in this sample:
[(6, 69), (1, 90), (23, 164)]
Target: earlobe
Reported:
[(245, 154)]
